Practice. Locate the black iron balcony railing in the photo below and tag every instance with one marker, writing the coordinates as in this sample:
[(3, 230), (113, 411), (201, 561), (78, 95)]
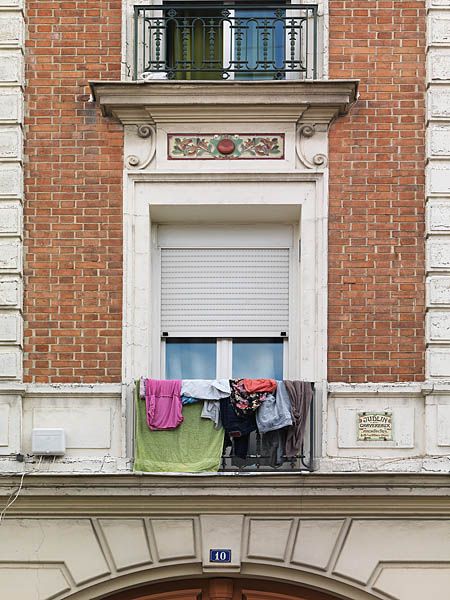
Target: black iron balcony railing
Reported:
[(225, 41), (259, 459)]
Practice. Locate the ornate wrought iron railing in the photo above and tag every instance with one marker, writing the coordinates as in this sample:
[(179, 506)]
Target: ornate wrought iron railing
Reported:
[(225, 41)]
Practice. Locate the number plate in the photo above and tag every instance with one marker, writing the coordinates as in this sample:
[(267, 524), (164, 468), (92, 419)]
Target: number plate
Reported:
[(219, 555)]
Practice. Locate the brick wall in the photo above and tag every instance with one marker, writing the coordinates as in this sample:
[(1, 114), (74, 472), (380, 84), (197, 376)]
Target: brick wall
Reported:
[(73, 195), (74, 198), (376, 269)]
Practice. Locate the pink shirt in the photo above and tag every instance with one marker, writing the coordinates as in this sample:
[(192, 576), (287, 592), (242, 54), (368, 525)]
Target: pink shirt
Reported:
[(163, 403)]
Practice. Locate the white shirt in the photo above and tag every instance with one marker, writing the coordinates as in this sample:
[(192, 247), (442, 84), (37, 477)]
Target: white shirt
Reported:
[(206, 389)]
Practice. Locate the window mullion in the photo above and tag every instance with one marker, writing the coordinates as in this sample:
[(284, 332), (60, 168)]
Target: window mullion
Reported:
[(224, 358)]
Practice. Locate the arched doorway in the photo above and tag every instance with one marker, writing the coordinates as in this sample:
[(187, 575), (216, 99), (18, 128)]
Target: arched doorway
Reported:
[(221, 589)]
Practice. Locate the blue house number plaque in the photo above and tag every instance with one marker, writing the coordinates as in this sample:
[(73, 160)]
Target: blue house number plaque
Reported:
[(219, 555)]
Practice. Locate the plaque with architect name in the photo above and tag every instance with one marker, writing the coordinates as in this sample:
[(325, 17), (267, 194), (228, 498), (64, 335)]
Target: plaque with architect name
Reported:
[(374, 426)]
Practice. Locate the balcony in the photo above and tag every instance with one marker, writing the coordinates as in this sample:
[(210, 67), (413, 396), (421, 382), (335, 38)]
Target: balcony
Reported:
[(218, 41), (276, 435)]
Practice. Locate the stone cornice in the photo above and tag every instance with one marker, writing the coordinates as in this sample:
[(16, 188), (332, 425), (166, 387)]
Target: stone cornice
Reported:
[(308, 495), (218, 101)]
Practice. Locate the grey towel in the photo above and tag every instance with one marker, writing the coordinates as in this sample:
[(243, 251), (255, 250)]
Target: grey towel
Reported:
[(300, 393)]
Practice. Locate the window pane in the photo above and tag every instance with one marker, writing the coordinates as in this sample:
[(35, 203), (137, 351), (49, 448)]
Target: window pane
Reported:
[(258, 358), (260, 42), (194, 42), (189, 358)]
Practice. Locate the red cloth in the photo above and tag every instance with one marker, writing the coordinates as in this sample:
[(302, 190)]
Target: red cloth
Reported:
[(260, 385)]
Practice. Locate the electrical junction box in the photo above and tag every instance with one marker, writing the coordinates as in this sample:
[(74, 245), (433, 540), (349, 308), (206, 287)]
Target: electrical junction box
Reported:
[(48, 442)]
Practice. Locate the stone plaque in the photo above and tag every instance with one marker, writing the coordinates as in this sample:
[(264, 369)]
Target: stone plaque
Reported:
[(374, 426)]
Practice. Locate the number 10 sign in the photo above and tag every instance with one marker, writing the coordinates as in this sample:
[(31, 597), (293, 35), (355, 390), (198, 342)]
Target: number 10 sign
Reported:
[(219, 555)]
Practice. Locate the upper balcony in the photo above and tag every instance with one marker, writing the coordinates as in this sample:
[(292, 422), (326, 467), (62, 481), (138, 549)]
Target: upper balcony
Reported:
[(226, 41)]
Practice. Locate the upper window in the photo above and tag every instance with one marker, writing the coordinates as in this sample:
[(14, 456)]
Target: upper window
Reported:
[(190, 41), (224, 301)]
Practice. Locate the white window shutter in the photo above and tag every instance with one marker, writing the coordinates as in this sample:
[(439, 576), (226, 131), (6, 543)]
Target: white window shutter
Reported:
[(224, 292)]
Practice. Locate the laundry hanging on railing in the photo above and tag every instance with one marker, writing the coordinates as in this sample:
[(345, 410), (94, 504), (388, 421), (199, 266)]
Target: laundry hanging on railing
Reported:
[(163, 404), (195, 446), (301, 394), (235, 409)]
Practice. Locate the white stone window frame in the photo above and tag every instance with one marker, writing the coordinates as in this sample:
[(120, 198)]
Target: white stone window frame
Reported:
[(128, 35), (300, 197)]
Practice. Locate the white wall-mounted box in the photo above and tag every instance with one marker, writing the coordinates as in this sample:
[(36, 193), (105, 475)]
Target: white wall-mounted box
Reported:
[(49, 442)]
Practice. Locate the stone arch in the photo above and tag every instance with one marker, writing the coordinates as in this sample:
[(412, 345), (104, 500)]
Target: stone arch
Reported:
[(310, 586), (360, 558)]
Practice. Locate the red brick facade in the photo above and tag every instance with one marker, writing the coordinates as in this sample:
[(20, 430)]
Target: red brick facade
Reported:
[(73, 195), (376, 231), (73, 202)]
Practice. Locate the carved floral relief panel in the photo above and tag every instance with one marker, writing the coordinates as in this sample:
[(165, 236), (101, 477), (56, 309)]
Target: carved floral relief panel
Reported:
[(230, 146)]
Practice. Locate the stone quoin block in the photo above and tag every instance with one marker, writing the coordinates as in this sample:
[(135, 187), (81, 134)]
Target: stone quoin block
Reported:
[(439, 64), (438, 362), (439, 25), (10, 255), (11, 105), (10, 292), (10, 180), (11, 68), (438, 216), (438, 326), (10, 219), (439, 139), (10, 327), (10, 142), (439, 102), (438, 254), (11, 4), (11, 29), (438, 175), (438, 290)]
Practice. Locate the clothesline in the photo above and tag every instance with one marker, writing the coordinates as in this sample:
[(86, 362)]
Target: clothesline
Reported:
[(231, 409)]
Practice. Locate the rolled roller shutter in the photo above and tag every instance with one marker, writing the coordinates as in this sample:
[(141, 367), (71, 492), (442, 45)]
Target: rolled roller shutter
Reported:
[(224, 291)]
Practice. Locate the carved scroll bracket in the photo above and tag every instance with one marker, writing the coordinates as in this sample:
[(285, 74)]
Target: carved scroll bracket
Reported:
[(305, 148), (143, 152)]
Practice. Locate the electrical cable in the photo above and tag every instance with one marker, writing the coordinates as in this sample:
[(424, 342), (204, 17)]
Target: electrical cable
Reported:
[(10, 501)]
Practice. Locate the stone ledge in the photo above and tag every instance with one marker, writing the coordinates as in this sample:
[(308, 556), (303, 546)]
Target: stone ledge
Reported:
[(324, 494), (212, 101)]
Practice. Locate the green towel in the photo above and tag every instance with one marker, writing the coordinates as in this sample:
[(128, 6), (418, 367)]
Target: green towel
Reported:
[(193, 447)]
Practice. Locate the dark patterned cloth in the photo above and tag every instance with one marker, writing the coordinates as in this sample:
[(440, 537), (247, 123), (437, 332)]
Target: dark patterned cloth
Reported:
[(237, 427), (242, 401)]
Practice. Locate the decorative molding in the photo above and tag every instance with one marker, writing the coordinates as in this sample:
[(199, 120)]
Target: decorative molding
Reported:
[(305, 132), (225, 177), (225, 146), (145, 131), (134, 161)]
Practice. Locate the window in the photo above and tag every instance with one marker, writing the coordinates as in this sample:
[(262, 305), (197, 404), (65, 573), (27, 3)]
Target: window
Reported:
[(204, 41), (190, 358), (224, 300)]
